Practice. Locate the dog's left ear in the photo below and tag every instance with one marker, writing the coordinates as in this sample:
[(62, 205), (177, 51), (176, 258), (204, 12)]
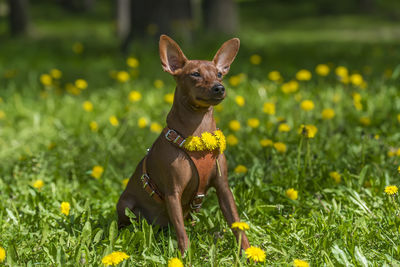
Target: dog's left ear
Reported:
[(171, 55), (226, 54)]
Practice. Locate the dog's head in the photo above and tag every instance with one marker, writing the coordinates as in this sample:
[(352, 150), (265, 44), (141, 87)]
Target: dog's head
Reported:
[(200, 80)]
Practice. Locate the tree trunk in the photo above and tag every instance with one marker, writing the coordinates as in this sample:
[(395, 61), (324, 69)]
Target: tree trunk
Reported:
[(366, 5), (123, 18), (19, 18), (220, 16), (154, 17)]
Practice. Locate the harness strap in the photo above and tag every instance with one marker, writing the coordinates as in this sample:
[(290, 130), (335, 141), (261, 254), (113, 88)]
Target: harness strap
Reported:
[(202, 161), (148, 185)]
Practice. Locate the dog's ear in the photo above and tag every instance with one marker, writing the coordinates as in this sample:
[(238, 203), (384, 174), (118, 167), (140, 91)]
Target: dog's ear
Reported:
[(226, 54), (171, 55)]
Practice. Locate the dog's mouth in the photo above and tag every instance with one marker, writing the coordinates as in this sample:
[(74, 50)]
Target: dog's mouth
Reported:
[(211, 101)]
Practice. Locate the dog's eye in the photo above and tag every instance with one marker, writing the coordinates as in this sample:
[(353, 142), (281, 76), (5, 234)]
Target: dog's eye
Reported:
[(196, 74), (219, 75)]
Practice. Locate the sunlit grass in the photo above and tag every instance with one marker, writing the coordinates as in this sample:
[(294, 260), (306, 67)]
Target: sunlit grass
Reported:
[(313, 193)]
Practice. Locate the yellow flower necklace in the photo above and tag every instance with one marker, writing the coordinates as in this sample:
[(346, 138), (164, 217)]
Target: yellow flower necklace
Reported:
[(206, 142)]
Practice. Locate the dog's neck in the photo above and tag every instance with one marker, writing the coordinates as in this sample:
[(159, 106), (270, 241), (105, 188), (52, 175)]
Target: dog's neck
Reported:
[(189, 119)]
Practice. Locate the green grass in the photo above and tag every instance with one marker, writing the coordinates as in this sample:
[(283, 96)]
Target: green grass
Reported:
[(47, 136)]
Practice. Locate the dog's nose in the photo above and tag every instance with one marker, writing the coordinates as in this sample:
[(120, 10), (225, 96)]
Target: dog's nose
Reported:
[(218, 89)]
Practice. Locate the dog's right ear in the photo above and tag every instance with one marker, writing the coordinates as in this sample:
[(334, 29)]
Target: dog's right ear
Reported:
[(171, 55)]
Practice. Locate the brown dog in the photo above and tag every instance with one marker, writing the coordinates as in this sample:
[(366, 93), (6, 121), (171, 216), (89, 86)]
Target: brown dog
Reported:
[(171, 181)]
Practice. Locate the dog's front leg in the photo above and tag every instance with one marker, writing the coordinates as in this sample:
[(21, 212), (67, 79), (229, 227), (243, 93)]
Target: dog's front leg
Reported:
[(174, 208), (226, 201)]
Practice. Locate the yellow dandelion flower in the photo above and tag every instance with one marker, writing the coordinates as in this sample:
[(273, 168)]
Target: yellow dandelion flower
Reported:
[(219, 108), (113, 121), (240, 100), (365, 121), (65, 207), (322, 69), (87, 106), (309, 130), (122, 76), (209, 141), (125, 182), (77, 47), (376, 136), (398, 118), (253, 122), (158, 84), (300, 263), (291, 193), (398, 152), (274, 76), (2, 254), (284, 127), (266, 142), (328, 114), (232, 140), (307, 105), (234, 125), (269, 108), (255, 59), (38, 184), (56, 73), (2, 115), (72, 89), (280, 147), (155, 127), (94, 126), (114, 258), (46, 79), (51, 145), (221, 140), (142, 122), (341, 71), (391, 189), (152, 29), (97, 171), (358, 105), (134, 96), (356, 79), (193, 143), (81, 84), (303, 75), (240, 169), (240, 225), (10, 74), (335, 176), (388, 73), (132, 62), (356, 97), (234, 80), (169, 98), (336, 98), (298, 97), (255, 254), (290, 87), (175, 262)]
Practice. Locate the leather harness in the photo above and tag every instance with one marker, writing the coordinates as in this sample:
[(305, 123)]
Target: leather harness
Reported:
[(203, 161)]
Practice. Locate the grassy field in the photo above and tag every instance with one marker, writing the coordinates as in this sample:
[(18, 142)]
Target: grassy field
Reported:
[(55, 127)]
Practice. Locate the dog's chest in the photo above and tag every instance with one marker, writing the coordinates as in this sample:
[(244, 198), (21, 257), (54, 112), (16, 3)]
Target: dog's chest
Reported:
[(205, 164)]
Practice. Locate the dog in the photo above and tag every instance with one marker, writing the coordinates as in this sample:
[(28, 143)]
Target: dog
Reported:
[(187, 158)]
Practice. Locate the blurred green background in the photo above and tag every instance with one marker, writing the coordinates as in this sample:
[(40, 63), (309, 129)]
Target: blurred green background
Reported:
[(287, 34)]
